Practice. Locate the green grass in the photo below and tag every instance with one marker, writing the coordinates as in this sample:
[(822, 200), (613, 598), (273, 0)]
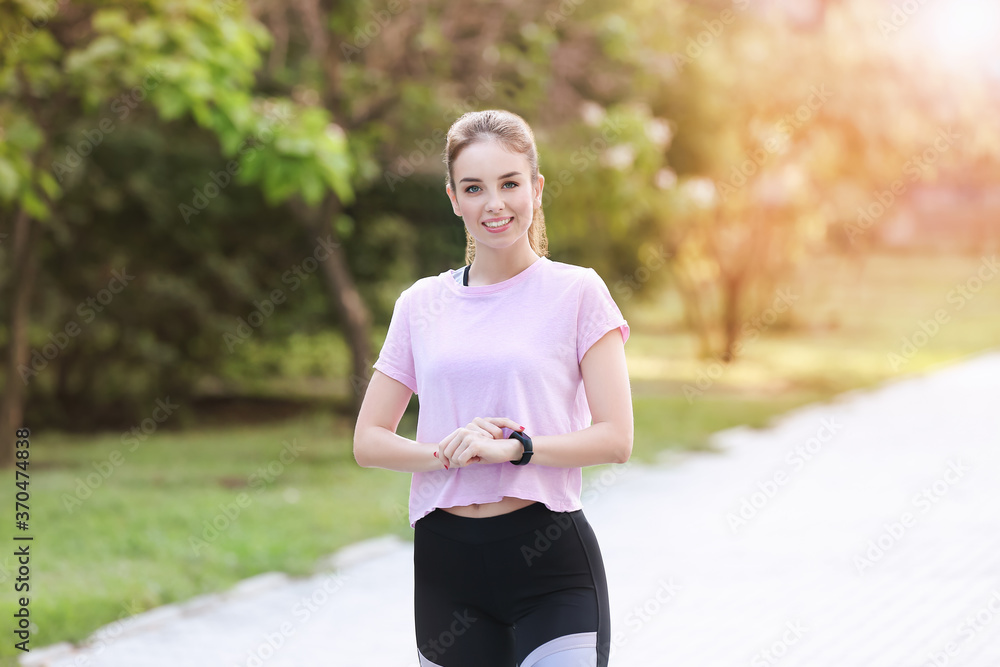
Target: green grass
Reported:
[(848, 320), (128, 546), (141, 534)]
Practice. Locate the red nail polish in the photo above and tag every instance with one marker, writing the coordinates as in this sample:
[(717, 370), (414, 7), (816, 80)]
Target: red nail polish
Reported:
[(521, 429), (435, 453)]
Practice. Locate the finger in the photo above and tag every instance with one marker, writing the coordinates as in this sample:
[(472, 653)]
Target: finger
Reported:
[(447, 446), (440, 454), (489, 428), (466, 448), (467, 453), (503, 422), (446, 439), (471, 445), (449, 449), (443, 461)]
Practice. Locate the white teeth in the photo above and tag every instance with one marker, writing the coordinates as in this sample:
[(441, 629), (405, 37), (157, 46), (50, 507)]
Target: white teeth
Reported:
[(497, 224)]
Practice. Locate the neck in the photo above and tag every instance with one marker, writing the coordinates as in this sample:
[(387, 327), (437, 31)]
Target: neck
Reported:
[(492, 266)]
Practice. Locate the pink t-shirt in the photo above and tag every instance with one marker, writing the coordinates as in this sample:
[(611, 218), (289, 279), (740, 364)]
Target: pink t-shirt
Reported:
[(511, 349)]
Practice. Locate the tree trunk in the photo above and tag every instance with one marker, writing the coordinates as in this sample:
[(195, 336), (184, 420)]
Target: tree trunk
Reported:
[(733, 290), (344, 295), (25, 268), (693, 314)]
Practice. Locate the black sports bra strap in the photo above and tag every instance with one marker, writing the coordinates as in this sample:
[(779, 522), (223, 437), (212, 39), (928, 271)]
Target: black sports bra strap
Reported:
[(465, 276)]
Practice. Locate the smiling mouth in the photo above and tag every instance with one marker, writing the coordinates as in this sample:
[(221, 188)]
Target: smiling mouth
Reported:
[(498, 224)]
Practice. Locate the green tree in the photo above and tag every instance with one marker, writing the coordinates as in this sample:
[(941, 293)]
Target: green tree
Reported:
[(62, 65)]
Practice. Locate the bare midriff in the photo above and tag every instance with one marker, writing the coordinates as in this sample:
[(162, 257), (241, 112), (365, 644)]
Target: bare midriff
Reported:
[(481, 510)]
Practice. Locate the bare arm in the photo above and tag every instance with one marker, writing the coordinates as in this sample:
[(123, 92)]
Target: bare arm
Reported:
[(376, 444), (609, 438)]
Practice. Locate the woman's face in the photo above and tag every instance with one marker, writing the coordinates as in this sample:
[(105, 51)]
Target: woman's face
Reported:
[(495, 195)]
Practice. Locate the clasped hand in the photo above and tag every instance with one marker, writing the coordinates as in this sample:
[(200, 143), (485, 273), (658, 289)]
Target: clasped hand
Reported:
[(481, 441)]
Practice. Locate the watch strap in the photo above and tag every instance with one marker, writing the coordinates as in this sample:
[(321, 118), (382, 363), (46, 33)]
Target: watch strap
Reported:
[(526, 442)]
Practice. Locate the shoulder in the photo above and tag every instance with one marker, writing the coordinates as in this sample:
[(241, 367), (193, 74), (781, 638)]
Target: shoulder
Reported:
[(584, 281), (422, 287), (572, 273)]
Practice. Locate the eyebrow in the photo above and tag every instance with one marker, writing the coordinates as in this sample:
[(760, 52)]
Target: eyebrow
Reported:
[(513, 173)]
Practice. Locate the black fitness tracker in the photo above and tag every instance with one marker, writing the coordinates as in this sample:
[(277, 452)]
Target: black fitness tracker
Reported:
[(526, 441)]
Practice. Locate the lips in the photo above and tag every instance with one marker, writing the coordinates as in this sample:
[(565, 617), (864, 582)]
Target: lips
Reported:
[(496, 224)]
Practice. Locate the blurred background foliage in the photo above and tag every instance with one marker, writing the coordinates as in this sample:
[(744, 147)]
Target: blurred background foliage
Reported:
[(211, 149), (213, 205)]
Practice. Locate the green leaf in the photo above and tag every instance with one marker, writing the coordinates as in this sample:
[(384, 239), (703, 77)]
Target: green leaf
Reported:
[(312, 187), (104, 47), (24, 134), (298, 146), (110, 20), (49, 185), (202, 113), (34, 206), (9, 180), (171, 102)]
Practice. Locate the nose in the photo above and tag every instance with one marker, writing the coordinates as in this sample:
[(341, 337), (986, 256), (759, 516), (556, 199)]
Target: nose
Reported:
[(495, 203)]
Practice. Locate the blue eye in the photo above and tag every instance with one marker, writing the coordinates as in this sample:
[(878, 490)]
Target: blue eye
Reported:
[(469, 189)]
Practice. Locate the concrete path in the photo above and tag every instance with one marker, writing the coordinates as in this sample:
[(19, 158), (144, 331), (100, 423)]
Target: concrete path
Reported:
[(860, 533)]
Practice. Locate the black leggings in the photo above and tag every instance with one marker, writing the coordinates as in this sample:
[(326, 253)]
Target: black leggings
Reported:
[(526, 589)]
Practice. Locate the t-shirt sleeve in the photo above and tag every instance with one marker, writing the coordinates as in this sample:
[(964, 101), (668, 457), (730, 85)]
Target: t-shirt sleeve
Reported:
[(396, 357), (598, 313)]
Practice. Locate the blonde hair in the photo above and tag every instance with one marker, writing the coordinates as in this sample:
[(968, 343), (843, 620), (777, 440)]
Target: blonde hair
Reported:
[(514, 135)]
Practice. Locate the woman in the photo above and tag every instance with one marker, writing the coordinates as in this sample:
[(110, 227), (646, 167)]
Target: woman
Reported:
[(512, 357)]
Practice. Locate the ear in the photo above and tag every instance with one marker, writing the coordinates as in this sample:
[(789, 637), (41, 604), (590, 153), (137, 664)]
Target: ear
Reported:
[(538, 190), (454, 201)]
